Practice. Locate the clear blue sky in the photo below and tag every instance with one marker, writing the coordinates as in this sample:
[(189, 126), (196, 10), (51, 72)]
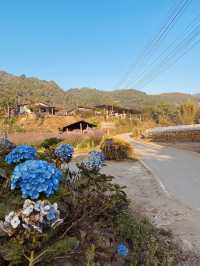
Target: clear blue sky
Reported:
[(90, 43)]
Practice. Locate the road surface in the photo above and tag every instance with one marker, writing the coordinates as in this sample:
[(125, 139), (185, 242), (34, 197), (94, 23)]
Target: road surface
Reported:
[(177, 171)]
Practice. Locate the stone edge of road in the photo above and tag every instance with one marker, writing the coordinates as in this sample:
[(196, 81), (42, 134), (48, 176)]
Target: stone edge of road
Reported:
[(156, 177), (162, 186)]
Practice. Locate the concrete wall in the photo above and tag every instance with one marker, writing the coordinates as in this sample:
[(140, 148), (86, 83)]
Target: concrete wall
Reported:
[(176, 136), (174, 133)]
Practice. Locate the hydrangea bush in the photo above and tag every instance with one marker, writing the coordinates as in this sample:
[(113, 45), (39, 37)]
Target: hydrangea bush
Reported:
[(33, 216), (64, 152), (92, 207), (34, 177), (21, 153), (94, 162)]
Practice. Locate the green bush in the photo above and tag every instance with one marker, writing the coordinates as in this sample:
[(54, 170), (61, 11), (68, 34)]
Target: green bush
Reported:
[(95, 220), (151, 246), (88, 205), (115, 149), (47, 143)]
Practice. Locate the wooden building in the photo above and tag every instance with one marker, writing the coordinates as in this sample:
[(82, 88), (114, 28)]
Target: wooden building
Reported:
[(80, 110), (116, 111), (78, 125), (41, 108)]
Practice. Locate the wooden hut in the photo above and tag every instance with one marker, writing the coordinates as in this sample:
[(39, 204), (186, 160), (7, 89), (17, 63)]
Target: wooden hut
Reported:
[(79, 125), (28, 108)]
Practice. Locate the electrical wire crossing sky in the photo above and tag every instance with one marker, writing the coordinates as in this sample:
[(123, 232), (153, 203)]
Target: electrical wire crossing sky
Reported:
[(147, 45)]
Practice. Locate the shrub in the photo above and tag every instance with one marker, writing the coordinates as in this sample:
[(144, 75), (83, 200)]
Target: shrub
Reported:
[(47, 143), (115, 149), (151, 246), (86, 222), (86, 206)]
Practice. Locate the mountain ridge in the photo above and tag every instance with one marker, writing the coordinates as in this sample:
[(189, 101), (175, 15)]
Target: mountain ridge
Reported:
[(24, 88)]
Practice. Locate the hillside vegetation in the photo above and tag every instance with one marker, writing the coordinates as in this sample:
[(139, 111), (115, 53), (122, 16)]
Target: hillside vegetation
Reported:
[(32, 89), (22, 88)]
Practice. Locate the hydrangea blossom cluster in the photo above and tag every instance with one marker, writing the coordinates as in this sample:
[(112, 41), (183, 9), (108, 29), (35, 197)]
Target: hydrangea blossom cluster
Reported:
[(21, 153), (94, 161), (122, 250), (33, 216), (64, 152), (34, 177)]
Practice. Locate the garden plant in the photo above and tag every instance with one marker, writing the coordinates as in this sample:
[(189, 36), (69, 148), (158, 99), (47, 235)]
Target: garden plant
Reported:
[(50, 213), (116, 149)]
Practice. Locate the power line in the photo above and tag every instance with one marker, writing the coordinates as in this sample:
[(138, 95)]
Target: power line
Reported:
[(141, 75), (174, 14), (174, 55), (179, 13)]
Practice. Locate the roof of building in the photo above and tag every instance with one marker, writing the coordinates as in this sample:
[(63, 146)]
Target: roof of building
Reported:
[(117, 109), (76, 123), (81, 107), (36, 104)]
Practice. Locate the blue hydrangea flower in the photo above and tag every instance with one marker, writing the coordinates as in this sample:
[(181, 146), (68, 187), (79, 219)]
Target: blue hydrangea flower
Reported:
[(64, 152), (21, 153), (95, 161), (122, 250), (48, 211), (34, 177), (97, 154), (52, 214)]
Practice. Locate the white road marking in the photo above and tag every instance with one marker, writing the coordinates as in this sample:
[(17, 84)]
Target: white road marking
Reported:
[(157, 179)]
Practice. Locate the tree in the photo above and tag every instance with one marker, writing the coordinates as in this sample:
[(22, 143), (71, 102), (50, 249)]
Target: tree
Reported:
[(164, 114), (187, 113)]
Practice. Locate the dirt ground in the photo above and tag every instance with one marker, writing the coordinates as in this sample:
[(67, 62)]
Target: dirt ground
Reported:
[(168, 213)]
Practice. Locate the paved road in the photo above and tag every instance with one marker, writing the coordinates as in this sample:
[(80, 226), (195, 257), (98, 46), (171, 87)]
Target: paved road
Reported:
[(177, 171)]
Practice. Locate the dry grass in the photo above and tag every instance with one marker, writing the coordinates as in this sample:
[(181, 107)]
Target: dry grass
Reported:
[(35, 130), (85, 142), (32, 138), (141, 126), (46, 124), (117, 149)]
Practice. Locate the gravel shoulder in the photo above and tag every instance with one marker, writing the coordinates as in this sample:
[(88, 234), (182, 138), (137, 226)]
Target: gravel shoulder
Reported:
[(148, 198)]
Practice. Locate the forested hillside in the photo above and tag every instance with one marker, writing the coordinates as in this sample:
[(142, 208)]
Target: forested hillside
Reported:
[(21, 88)]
